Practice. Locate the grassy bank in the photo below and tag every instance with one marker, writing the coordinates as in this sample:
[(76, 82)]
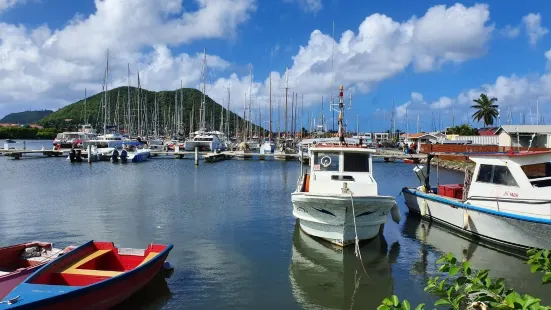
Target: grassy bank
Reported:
[(27, 133)]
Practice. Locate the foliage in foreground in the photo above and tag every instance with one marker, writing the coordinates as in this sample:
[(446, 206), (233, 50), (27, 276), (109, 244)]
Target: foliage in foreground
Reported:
[(462, 287)]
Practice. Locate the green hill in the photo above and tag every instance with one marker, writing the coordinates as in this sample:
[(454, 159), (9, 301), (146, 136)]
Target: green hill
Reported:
[(25, 118), (71, 116)]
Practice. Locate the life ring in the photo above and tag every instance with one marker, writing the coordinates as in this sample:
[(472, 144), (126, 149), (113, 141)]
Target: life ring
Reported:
[(57, 147), (325, 161)]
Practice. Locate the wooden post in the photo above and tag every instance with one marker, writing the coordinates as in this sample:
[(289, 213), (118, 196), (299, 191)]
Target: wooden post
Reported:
[(89, 152), (197, 155), (24, 145)]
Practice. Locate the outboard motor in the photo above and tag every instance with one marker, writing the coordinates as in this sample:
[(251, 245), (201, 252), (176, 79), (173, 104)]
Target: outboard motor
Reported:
[(115, 156), (79, 156), (72, 155), (124, 156)]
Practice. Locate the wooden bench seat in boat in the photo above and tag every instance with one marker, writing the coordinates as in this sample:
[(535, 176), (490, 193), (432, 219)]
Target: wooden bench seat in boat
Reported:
[(77, 269)]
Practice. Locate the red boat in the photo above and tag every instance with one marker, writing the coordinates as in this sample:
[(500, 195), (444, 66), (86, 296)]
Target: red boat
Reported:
[(412, 161), (96, 275), (17, 262)]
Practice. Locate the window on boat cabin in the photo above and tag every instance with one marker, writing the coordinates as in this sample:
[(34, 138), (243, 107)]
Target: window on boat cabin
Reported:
[(538, 171), (496, 175), (325, 161), (356, 162)]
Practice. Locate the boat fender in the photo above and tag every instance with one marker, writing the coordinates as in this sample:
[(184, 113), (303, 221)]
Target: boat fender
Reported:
[(423, 207), (395, 212), (167, 266), (466, 220)]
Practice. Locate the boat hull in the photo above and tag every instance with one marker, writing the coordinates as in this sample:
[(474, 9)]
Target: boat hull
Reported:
[(332, 217), (9, 281), (102, 295), (515, 232)]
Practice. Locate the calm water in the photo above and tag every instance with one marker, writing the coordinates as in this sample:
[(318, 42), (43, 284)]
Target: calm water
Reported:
[(236, 243)]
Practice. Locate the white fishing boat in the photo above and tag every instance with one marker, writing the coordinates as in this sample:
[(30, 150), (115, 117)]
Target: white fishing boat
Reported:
[(338, 198), (508, 201)]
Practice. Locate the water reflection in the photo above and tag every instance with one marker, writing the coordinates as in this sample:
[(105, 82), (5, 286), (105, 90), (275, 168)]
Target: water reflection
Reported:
[(324, 276), (436, 238)]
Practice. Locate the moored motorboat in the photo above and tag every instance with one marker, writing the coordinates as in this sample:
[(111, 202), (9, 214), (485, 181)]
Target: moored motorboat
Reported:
[(18, 261), (95, 275), (507, 202), (338, 199)]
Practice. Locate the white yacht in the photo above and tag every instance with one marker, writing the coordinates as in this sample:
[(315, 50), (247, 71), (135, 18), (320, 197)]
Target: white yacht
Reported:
[(268, 147), (508, 201), (205, 141), (338, 198)]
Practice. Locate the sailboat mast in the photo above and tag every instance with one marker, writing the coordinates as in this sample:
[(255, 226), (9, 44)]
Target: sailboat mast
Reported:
[(286, 92), (270, 133), (85, 115), (203, 104), (244, 118), (105, 95), (129, 116), (250, 100), (228, 115)]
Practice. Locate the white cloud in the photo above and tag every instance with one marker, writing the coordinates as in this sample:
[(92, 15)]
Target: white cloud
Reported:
[(57, 64), (443, 103), (548, 57), (510, 32), (311, 6), (7, 4), (534, 30)]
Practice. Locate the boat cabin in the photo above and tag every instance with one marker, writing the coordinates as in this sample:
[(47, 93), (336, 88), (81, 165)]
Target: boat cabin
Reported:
[(511, 182), (333, 165)]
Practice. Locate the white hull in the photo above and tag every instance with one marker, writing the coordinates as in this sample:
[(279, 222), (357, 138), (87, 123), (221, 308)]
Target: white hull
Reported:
[(511, 231), (204, 146), (331, 216), (267, 148), (138, 156)]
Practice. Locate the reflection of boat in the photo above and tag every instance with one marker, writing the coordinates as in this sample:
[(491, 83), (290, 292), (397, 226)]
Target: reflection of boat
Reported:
[(508, 202), (327, 277), (510, 267), (95, 275)]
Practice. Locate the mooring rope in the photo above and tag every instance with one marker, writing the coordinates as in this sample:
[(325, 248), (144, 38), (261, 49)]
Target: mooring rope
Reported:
[(356, 240)]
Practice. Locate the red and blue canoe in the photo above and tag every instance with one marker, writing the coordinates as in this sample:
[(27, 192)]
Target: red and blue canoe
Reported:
[(95, 275), (19, 261)]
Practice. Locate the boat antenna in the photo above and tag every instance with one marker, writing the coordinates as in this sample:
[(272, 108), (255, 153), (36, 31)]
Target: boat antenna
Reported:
[(341, 115)]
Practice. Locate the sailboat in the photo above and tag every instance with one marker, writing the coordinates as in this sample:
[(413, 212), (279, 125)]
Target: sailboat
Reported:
[(338, 199), (268, 147), (203, 139)]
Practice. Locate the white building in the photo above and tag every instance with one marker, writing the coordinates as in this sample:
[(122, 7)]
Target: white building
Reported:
[(521, 135)]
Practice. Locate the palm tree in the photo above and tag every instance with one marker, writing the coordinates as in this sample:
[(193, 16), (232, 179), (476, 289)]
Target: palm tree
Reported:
[(486, 109)]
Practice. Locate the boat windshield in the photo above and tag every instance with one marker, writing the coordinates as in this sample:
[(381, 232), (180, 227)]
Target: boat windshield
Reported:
[(356, 162), (539, 174), (326, 161)]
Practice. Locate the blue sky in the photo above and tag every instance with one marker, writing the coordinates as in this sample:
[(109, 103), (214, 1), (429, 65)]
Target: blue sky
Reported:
[(429, 56)]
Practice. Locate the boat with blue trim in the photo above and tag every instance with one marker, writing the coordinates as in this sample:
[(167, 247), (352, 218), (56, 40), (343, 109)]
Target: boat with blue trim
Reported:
[(95, 275), (507, 202)]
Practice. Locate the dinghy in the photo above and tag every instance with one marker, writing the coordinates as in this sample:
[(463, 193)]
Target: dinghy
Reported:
[(18, 261), (95, 275)]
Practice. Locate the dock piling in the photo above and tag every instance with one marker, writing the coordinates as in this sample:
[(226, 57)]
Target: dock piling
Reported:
[(196, 156), (24, 145), (89, 153)]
